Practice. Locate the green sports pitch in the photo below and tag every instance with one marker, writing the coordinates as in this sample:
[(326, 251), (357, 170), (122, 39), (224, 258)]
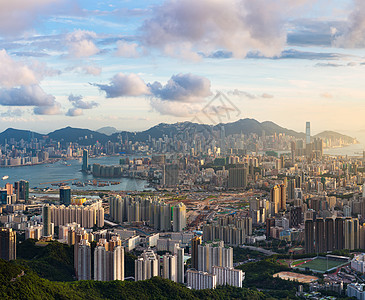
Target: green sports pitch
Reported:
[(322, 264)]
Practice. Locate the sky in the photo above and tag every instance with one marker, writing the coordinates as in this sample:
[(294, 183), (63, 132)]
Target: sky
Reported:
[(134, 64)]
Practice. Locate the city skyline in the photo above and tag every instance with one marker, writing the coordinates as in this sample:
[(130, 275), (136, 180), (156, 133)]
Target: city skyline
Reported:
[(121, 64)]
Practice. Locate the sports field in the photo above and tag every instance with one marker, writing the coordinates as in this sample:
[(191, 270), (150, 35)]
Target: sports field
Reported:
[(321, 264)]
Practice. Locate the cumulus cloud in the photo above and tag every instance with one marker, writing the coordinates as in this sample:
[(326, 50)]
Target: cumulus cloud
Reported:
[(182, 87), (18, 15), (48, 110), (13, 73), (180, 27), (79, 105), (123, 85), (77, 102), (182, 95), (127, 49), (80, 43), (74, 112), (353, 35), (31, 95)]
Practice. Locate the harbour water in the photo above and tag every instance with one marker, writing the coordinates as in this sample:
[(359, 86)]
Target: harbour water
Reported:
[(43, 175)]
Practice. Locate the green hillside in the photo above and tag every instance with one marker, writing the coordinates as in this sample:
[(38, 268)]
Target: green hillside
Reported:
[(17, 282)]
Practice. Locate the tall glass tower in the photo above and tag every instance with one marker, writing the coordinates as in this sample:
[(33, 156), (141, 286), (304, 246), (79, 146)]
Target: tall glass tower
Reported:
[(308, 133), (85, 162)]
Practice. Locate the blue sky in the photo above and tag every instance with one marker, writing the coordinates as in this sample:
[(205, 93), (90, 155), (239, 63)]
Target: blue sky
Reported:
[(134, 64)]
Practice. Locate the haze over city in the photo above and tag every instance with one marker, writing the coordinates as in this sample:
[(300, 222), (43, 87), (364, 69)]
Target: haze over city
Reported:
[(134, 64)]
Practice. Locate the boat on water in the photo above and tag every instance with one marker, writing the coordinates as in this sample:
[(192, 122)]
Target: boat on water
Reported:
[(5, 177)]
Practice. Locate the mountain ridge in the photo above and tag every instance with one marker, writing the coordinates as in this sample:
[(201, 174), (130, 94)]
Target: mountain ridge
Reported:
[(84, 136)]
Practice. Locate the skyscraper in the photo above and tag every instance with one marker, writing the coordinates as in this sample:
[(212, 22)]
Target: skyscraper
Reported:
[(46, 217), (339, 234), (320, 237), (85, 160), (282, 197), (329, 233), (84, 261), (179, 217), (214, 254), (195, 242), (179, 264), (65, 195), (169, 267), (275, 199), (22, 190), (109, 260), (309, 236), (308, 133), (7, 244), (146, 266)]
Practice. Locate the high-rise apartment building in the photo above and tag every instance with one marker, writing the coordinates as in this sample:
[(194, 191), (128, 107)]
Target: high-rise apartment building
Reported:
[(199, 280), (109, 260), (7, 244), (309, 236), (329, 229), (146, 266), (339, 234), (320, 240), (179, 217), (282, 197), (195, 242), (180, 272), (214, 254), (228, 276), (46, 217), (275, 199), (84, 261), (169, 267)]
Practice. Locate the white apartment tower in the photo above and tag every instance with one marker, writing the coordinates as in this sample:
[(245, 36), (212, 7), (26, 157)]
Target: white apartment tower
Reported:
[(84, 261), (146, 266)]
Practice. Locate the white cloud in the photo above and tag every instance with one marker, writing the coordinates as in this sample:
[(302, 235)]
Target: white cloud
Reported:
[(80, 43), (13, 73), (123, 85), (182, 87), (18, 15), (185, 27), (125, 49), (48, 110), (79, 103), (353, 36), (74, 112), (31, 95)]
